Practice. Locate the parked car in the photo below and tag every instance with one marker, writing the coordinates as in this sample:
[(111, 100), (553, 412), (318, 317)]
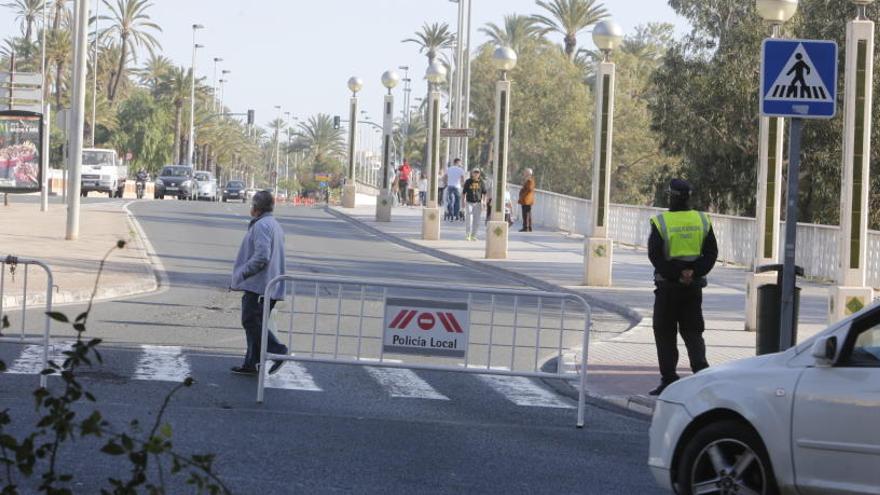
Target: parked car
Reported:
[(176, 181), (206, 186), (249, 193), (234, 190), (804, 421)]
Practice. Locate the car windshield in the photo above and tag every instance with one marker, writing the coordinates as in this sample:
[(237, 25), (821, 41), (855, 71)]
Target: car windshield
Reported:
[(97, 158), (203, 176), (175, 172), (235, 185)]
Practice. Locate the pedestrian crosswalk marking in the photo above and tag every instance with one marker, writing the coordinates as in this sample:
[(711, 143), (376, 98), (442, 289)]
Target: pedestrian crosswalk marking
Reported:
[(293, 376), (798, 80), (162, 363), (524, 392), (30, 361), (404, 383)]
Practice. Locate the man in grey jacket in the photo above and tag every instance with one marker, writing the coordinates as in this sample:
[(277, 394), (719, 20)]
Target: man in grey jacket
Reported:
[(260, 259)]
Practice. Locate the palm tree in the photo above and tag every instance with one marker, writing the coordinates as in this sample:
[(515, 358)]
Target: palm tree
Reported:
[(155, 71), (570, 17), (174, 84), (131, 26), (323, 140), (27, 12), (518, 31), (58, 49), (432, 38)]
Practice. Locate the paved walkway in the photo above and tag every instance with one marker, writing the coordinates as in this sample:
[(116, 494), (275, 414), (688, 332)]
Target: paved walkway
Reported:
[(28, 233), (622, 356)]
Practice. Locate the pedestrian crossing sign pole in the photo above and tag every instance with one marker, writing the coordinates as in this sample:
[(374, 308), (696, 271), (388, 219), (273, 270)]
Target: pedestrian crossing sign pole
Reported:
[(798, 81)]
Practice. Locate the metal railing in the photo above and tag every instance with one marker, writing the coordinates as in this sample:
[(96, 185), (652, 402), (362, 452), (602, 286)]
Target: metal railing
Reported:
[(497, 331), (13, 263), (817, 249)]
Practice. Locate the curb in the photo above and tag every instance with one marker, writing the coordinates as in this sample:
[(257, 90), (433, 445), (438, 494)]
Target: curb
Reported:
[(628, 314), (155, 281), (635, 404)]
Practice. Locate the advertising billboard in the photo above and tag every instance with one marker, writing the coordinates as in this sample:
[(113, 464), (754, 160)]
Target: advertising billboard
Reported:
[(20, 144)]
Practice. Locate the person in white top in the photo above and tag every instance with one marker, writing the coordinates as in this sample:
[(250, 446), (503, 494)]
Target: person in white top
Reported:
[(454, 181), (423, 191)]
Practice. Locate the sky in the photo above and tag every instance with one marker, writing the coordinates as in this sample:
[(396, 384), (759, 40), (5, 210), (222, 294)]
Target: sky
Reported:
[(300, 53)]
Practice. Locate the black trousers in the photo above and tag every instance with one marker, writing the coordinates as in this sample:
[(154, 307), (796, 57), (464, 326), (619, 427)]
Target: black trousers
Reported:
[(679, 310), (252, 321), (527, 217)]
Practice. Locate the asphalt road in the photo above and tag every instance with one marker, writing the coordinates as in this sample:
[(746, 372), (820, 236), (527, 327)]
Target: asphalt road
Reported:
[(324, 428)]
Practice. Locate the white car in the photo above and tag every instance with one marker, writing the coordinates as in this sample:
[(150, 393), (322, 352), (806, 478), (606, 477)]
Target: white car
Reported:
[(206, 186), (805, 421)]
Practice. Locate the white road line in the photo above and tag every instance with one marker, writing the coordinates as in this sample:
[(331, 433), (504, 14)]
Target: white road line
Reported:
[(524, 392), (162, 363), (292, 376), (404, 383), (30, 362)]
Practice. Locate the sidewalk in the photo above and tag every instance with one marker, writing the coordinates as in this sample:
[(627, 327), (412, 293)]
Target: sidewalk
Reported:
[(27, 232), (622, 356)]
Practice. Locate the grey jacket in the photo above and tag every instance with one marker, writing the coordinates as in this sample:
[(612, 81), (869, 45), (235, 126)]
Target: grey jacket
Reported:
[(260, 257)]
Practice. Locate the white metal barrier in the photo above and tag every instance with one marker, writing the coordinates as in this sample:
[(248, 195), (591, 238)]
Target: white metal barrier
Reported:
[(817, 249), (13, 263), (438, 328)]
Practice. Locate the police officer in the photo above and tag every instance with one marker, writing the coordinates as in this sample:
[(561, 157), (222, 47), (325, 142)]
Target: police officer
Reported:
[(683, 250)]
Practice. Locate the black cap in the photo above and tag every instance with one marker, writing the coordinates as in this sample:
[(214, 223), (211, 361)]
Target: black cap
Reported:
[(680, 186)]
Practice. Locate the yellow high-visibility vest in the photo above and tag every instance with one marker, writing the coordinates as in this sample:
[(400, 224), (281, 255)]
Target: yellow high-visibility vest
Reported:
[(683, 233)]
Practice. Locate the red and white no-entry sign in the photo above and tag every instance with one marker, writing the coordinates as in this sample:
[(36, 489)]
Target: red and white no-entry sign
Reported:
[(428, 327)]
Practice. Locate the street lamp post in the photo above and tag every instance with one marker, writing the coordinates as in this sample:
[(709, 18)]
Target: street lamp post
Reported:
[(768, 204), (47, 126), (349, 189), (78, 107), (390, 79), (94, 77), (405, 123), (214, 83), (223, 81), (435, 75), (190, 145), (278, 125), (852, 292), (607, 35), (504, 59)]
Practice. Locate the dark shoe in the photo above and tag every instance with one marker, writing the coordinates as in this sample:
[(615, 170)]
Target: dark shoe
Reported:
[(660, 388), (523, 229), (276, 365), (241, 370)]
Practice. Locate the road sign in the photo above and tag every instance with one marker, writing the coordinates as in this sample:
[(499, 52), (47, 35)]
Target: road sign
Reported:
[(23, 78), (322, 177), (799, 79), (18, 93), (451, 132), (426, 327), (21, 106), (322, 185)]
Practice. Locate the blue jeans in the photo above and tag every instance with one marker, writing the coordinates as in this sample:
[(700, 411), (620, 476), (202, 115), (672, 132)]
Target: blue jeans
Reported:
[(453, 206), (252, 321)]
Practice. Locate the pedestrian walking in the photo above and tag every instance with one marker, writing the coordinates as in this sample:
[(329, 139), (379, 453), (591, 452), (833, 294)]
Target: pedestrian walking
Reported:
[(260, 259), (527, 199), (441, 188), (683, 250), (403, 182), (474, 195), (454, 181), (423, 190)]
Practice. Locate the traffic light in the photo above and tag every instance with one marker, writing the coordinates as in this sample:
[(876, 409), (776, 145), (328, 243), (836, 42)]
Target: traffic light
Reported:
[(336, 121), (251, 118)]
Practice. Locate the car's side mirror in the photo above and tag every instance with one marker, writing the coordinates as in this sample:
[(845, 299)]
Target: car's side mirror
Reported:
[(825, 350)]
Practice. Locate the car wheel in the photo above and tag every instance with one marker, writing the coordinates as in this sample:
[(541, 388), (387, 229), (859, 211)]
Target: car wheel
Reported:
[(725, 458)]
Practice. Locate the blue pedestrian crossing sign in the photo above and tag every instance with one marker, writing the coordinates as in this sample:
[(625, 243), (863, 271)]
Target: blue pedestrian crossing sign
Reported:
[(799, 79)]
